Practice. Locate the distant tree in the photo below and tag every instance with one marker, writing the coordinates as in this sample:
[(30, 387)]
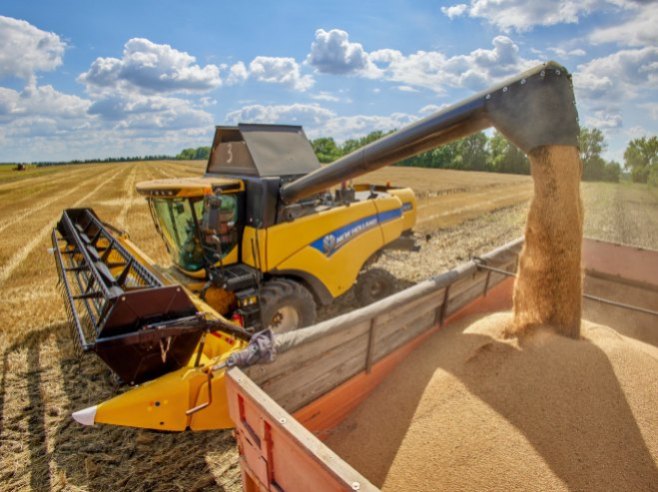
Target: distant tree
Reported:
[(641, 157), (186, 155), (202, 153), (592, 144), (352, 144), (505, 157), (653, 177), (444, 156), (440, 157), (612, 172), (326, 149), (472, 152)]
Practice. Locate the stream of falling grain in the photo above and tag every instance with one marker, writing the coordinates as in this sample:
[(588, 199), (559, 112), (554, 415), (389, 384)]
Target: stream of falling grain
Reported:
[(548, 289)]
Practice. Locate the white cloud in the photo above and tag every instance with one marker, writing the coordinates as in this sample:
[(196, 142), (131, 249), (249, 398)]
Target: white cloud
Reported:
[(604, 120), (124, 115), (237, 74), (141, 125), (407, 88), (207, 101), (319, 121), (346, 127), (40, 123), (150, 112), (8, 99), (652, 107), (332, 52), (436, 71), (455, 10), (27, 49), (621, 75), (37, 118), (640, 30), (42, 139), (566, 53), (638, 131), (325, 96), (523, 15), (280, 70), (431, 108), (150, 68), (43, 101), (305, 114)]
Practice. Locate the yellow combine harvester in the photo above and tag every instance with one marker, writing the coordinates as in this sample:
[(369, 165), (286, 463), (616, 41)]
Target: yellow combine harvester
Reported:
[(260, 240), (240, 253)]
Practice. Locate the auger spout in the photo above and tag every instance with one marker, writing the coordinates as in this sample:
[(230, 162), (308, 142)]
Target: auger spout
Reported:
[(532, 109)]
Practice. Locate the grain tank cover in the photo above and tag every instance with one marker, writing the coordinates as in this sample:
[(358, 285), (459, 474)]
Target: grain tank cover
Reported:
[(261, 150)]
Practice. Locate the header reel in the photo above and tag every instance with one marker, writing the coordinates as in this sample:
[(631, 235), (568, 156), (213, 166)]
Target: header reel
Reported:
[(139, 326)]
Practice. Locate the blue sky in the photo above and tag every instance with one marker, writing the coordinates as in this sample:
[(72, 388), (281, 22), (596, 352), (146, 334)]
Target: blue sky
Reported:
[(82, 79)]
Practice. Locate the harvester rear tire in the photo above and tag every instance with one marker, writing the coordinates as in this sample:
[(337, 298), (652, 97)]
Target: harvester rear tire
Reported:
[(286, 305), (374, 284)]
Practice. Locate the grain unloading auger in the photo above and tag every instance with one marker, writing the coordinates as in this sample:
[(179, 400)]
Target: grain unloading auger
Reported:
[(260, 239)]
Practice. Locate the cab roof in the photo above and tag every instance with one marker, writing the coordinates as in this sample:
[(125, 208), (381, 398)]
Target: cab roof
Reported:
[(261, 150), (187, 187)]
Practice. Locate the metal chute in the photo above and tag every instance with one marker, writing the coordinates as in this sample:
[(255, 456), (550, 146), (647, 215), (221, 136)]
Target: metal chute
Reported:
[(532, 109)]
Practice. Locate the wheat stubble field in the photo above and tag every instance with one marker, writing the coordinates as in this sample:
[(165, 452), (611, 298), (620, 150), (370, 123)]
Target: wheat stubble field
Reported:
[(460, 214)]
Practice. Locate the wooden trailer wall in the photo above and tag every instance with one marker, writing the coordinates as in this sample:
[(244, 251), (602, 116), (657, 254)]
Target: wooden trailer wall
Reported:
[(323, 372), (314, 360)]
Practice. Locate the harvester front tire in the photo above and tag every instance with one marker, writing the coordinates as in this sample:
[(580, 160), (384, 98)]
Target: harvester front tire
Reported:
[(286, 305), (372, 285)]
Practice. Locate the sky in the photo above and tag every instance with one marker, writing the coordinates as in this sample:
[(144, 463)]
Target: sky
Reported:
[(82, 80)]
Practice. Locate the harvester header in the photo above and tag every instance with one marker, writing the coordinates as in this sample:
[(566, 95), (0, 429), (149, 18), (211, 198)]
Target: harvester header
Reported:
[(117, 307)]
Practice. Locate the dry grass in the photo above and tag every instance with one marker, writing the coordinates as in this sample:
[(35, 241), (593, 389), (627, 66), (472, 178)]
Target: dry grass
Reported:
[(42, 381)]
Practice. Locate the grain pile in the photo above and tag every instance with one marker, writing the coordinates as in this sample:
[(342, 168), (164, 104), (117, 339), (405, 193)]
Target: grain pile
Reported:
[(495, 405), (473, 410)]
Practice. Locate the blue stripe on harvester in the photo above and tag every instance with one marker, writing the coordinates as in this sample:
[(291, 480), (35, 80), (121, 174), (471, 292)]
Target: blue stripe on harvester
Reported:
[(332, 242), (390, 215)]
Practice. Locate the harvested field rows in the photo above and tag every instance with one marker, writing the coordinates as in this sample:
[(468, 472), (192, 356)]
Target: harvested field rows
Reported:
[(42, 382)]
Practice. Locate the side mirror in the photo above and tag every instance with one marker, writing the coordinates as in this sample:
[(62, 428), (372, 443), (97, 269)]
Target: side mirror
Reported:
[(212, 205)]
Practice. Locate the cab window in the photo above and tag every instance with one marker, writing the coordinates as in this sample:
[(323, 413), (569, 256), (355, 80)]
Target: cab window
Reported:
[(226, 226), (180, 220), (179, 229)]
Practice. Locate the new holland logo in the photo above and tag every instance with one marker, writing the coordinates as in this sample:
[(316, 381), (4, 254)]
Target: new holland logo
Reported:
[(329, 243), (332, 242)]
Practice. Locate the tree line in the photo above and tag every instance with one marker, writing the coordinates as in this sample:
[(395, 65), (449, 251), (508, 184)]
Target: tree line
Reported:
[(479, 152), (106, 160), (200, 153)]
